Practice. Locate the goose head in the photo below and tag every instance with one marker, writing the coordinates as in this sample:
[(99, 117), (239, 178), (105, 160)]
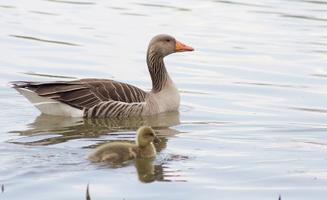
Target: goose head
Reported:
[(145, 136), (164, 45)]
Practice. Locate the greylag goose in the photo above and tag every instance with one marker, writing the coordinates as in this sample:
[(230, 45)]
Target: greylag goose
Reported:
[(118, 152), (109, 98)]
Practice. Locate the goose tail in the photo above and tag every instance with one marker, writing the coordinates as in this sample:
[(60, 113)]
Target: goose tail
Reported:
[(20, 84), (46, 105)]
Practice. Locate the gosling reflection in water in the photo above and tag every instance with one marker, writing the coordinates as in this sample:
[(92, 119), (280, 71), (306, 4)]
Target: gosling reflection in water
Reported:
[(119, 152), (147, 172)]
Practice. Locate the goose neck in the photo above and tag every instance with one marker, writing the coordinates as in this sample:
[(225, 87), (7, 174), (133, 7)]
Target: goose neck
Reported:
[(157, 69)]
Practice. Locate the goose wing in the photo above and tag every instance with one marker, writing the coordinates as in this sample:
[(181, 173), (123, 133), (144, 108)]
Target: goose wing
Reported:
[(85, 93)]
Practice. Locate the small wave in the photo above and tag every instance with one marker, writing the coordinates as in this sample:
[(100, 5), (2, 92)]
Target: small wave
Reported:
[(44, 40), (73, 2)]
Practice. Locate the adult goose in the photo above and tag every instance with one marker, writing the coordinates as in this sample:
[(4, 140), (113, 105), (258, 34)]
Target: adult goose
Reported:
[(109, 98)]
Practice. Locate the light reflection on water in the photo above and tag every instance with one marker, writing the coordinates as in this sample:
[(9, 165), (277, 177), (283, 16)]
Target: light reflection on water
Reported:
[(253, 117)]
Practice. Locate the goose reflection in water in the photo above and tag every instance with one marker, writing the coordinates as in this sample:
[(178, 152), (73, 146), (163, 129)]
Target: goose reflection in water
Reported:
[(62, 129), (51, 130)]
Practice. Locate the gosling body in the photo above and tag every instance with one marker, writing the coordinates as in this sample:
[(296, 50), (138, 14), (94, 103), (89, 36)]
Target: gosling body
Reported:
[(118, 152)]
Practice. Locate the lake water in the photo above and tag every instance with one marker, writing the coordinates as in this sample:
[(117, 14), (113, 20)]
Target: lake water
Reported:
[(253, 118)]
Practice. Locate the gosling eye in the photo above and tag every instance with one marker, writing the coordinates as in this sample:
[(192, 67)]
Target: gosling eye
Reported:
[(167, 40), (149, 135)]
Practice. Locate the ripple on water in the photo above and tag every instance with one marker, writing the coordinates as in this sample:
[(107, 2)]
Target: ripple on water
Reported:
[(44, 40), (73, 2)]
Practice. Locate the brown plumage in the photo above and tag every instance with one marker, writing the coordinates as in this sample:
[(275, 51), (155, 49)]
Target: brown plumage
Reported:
[(85, 93), (118, 152), (109, 98)]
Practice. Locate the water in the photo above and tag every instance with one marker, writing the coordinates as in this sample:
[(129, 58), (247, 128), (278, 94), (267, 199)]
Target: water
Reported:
[(252, 122)]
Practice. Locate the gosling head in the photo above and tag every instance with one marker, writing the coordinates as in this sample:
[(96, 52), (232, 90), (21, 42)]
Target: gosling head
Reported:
[(165, 44), (145, 136)]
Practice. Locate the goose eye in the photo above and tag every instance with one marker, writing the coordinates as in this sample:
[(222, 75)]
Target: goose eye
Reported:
[(167, 40)]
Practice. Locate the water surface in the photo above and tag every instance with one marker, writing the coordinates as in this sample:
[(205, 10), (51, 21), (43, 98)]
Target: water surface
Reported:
[(252, 122)]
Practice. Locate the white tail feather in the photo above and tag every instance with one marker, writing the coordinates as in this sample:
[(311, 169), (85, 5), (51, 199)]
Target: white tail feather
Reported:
[(49, 106)]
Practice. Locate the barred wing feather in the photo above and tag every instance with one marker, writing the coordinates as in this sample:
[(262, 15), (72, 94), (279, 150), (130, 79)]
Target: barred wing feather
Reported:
[(86, 93)]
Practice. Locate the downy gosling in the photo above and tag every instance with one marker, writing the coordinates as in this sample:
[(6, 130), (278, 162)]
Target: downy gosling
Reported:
[(118, 152)]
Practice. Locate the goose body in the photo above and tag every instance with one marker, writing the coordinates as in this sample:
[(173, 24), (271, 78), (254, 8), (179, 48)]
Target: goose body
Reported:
[(109, 98), (118, 152)]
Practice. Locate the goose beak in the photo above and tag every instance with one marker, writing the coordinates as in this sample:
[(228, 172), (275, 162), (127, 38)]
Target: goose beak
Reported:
[(156, 140), (180, 47)]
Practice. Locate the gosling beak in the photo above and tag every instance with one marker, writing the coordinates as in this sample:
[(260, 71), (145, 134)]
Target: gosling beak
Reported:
[(156, 140), (180, 47)]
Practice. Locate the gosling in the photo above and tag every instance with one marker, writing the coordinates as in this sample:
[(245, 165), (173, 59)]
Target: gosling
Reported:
[(119, 152)]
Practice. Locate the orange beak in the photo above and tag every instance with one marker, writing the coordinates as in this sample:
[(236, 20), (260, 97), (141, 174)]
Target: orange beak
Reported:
[(182, 47)]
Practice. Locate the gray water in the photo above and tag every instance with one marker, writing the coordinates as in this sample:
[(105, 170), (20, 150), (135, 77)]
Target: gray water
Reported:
[(252, 123)]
